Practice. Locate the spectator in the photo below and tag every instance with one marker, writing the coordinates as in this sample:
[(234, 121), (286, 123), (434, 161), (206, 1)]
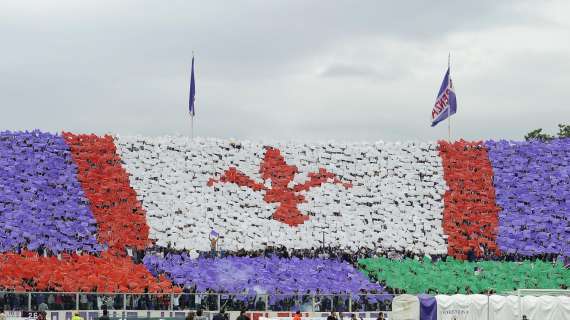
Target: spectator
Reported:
[(332, 316), (242, 316), (2, 315), (105, 315), (213, 243), (191, 315), (176, 301), (51, 301), (198, 300), (43, 307), (380, 316), (76, 316), (83, 302), (297, 315), (221, 316), (200, 316)]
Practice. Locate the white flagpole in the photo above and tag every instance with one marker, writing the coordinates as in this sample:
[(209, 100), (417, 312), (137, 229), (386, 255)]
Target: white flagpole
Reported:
[(192, 125), (449, 107)]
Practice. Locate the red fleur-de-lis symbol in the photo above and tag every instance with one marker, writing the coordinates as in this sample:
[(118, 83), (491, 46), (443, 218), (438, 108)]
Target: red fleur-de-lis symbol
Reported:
[(274, 168)]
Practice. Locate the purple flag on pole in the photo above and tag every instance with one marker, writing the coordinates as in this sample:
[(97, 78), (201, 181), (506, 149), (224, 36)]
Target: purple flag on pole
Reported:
[(428, 307), (445, 103), (192, 90)]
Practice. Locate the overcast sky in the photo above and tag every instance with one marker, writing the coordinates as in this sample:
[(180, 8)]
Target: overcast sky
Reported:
[(301, 70)]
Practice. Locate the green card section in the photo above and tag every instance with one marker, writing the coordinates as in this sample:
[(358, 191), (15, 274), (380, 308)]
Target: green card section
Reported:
[(454, 276)]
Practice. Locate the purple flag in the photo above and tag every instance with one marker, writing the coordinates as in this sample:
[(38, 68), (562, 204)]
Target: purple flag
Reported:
[(428, 307), (192, 90), (445, 103)]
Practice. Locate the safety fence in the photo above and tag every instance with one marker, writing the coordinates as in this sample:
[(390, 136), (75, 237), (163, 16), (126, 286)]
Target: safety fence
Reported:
[(53, 301), (536, 304)]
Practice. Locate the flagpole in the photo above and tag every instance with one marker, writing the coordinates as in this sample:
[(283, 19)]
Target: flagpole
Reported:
[(449, 107)]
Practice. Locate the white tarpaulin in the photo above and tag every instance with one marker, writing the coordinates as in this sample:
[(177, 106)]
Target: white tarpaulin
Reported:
[(462, 307), (504, 308), (405, 307), (546, 308)]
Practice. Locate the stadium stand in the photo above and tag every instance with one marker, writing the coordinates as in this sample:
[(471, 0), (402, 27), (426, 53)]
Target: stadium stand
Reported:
[(42, 205), (120, 217), (456, 276), (386, 195), (262, 275), (136, 214), (533, 190), (28, 271), (470, 214)]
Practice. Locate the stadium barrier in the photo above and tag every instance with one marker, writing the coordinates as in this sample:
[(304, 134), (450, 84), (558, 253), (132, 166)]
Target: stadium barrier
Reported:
[(171, 315), (125, 302), (551, 305)]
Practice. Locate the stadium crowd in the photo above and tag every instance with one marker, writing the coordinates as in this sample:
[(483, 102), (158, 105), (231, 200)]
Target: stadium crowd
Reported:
[(71, 221)]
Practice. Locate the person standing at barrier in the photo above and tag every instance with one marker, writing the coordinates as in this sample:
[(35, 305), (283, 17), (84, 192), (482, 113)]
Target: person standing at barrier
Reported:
[(76, 316), (2, 315), (297, 315), (43, 307), (242, 316), (221, 316), (332, 316), (105, 315), (200, 316), (176, 301)]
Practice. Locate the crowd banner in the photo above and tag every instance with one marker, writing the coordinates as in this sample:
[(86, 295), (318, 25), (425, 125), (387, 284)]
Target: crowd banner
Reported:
[(563, 310), (21, 315), (504, 307), (405, 307), (428, 307), (546, 307), (462, 307), (288, 194)]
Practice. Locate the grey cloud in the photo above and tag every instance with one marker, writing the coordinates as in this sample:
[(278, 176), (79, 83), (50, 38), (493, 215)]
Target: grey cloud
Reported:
[(340, 70), (278, 69)]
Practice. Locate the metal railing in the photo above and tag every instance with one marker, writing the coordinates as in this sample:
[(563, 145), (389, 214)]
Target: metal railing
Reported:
[(53, 301)]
